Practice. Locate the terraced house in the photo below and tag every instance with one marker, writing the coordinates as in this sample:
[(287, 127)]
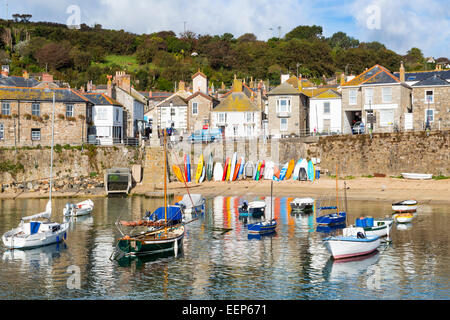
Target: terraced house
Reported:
[(377, 98), (26, 114)]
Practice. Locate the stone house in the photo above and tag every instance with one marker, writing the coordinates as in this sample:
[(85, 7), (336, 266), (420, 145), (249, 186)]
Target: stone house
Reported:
[(287, 111), (199, 110), (237, 115), (378, 98), (172, 113), (26, 115)]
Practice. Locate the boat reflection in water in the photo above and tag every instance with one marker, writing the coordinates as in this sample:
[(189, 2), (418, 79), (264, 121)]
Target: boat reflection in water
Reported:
[(330, 229), (141, 260), (349, 268), (38, 257)]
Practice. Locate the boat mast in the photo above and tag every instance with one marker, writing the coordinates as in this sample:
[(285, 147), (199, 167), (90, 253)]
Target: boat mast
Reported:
[(337, 197), (271, 197), (165, 186)]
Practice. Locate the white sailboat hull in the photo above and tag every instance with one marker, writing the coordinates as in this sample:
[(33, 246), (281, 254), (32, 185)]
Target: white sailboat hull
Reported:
[(417, 176), (341, 249), (79, 209), (16, 239)]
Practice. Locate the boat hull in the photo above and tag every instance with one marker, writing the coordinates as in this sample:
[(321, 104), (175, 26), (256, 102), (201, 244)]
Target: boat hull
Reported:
[(11, 239), (331, 219), (262, 228), (346, 247), (417, 176), (403, 218), (379, 230), (151, 246)]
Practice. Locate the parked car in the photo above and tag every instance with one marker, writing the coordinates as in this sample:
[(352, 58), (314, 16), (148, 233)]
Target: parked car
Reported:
[(205, 135), (358, 128)]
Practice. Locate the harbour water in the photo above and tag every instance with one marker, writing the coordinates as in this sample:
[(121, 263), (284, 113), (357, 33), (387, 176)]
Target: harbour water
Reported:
[(220, 261)]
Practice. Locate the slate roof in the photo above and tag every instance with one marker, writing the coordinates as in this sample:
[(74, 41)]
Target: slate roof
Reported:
[(236, 102), (176, 100), (375, 75), (434, 80), (283, 89), (325, 93), (14, 81), (101, 99), (39, 94), (422, 75)]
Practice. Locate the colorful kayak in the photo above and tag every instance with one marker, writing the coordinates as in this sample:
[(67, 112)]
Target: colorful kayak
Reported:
[(284, 171), (178, 173), (276, 172), (225, 169), (210, 168), (311, 171), (218, 172), (241, 169), (258, 169), (263, 168), (233, 167), (199, 169), (290, 169), (237, 169), (185, 168), (296, 171)]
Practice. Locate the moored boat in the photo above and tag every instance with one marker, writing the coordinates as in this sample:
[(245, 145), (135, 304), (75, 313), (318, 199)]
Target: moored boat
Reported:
[(403, 217), (78, 209), (255, 209), (192, 204), (405, 206), (375, 227), (302, 205), (416, 176), (354, 242)]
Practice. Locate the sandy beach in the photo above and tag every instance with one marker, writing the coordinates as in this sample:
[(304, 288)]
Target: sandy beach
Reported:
[(382, 189)]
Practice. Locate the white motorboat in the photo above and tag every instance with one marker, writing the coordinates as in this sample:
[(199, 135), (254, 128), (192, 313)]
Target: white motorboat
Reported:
[(353, 242), (405, 206), (403, 217), (302, 204), (375, 227), (33, 232), (78, 209), (192, 204), (417, 176)]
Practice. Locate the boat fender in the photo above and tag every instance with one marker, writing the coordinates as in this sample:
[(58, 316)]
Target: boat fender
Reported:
[(360, 235)]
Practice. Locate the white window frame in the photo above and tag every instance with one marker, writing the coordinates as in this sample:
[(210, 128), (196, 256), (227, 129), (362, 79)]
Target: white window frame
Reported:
[(249, 117), (286, 106), (2, 132), (69, 110), (386, 92), (34, 111), (432, 96), (221, 117), (325, 105), (432, 115), (284, 127), (102, 113), (195, 107), (383, 116), (35, 137), (368, 95), (352, 97), (6, 106)]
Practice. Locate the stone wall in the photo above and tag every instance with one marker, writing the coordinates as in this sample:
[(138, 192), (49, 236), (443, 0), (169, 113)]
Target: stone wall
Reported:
[(33, 165)]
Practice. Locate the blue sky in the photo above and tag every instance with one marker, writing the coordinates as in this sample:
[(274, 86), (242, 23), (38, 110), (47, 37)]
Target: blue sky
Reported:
[(399, 24)]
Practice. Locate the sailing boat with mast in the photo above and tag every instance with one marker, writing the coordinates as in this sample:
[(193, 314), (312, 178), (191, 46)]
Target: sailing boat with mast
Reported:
[(38, 230), (166, 237), (335, 218), (265, 226)]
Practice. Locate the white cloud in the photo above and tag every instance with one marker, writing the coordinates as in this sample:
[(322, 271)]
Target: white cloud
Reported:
[(404, 24)]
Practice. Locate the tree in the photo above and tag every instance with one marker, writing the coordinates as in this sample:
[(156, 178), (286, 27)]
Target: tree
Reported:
[(342, 40), (53, 56), (247, 37), (305, 32)]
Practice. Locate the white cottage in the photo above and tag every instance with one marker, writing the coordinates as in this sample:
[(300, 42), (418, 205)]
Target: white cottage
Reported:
[(325, 112)]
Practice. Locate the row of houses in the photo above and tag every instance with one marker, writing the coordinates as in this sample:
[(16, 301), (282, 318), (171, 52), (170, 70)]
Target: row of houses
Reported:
[(378, 99)]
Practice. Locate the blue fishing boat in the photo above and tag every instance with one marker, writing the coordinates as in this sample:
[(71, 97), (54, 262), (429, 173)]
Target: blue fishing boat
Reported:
[(266, 226), (331, 219)]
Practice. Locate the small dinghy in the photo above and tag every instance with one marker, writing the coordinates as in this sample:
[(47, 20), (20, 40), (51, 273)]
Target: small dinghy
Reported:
[(331, 219), (354, 242), (417, 176), (405, 206), (267, 226), (302, 204), (78, 209), (403, 217)]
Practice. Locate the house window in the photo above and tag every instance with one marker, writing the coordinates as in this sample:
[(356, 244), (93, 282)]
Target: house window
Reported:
[(429, 115), (221, 117), (369, 95), (117, 113), (429, 96), (36, 109), (352, 95), (69, 110), (2, 132), (284, 105), (235, 129), (172, 112), (326, 108), (35, 134), (102, 114), (6, 109), (283, 124), (386, 95), (195, 108), (249, 117)]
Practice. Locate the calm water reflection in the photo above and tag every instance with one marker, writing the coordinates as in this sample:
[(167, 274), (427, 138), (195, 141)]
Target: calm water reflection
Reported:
[(220, 264)]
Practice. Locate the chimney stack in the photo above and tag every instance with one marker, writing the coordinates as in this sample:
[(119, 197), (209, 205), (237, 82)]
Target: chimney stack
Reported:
[(342, 78), (46, 77), (109, 87), (402, 72), (25, 74)]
